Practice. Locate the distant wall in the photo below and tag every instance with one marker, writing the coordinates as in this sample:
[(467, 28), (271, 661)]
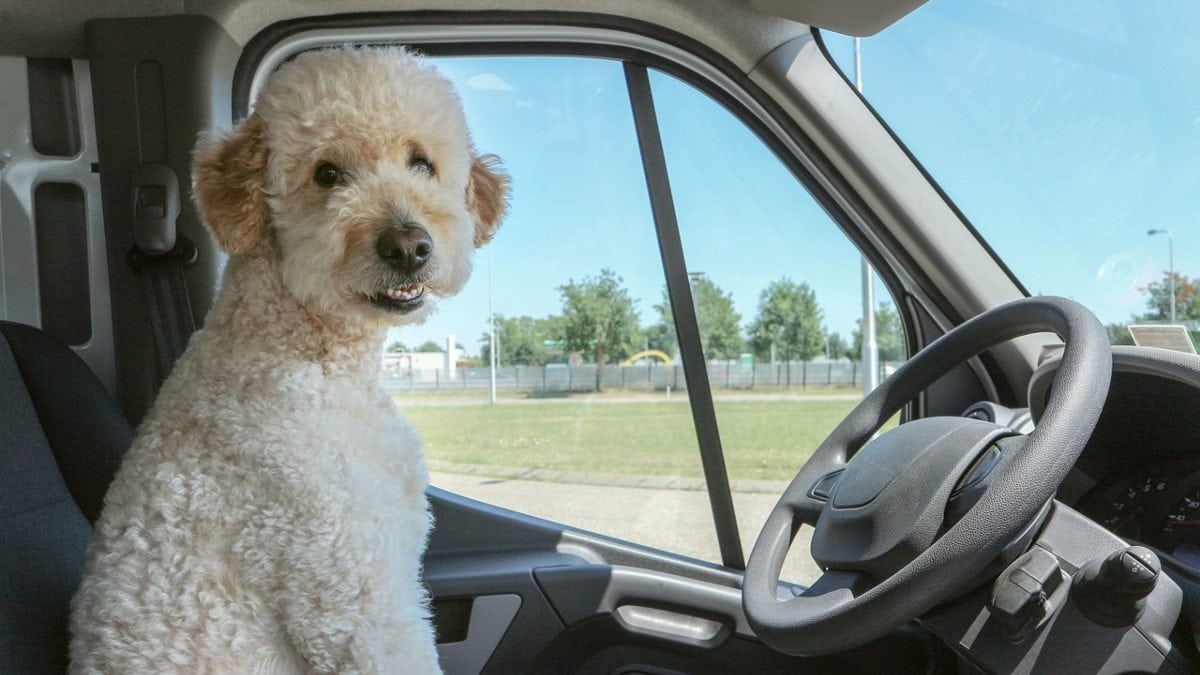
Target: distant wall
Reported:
[(653, 377)]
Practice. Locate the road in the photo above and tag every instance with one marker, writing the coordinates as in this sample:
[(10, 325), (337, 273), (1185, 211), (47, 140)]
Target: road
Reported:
[(679, 521)]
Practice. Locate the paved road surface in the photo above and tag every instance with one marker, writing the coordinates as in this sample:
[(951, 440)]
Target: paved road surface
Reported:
[(675, 520)]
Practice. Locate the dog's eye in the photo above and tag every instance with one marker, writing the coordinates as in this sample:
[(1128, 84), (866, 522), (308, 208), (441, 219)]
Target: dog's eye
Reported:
[(421, 165), (327, 175)]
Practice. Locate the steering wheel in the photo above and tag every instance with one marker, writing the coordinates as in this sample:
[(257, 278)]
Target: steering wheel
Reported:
[(925, 507)]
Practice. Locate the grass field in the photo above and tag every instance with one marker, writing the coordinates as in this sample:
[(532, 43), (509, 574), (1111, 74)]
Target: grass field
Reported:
[(763, 439)]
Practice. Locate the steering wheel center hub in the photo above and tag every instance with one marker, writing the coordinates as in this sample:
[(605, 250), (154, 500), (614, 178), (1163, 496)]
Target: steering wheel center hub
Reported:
[(890, 503)]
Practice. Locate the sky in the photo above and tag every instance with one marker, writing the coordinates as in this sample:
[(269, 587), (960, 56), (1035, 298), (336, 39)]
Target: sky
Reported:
[(564, 130), (1063, 130)]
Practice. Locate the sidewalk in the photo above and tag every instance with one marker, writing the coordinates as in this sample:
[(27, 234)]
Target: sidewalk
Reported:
[(741, 486), (674, 520)]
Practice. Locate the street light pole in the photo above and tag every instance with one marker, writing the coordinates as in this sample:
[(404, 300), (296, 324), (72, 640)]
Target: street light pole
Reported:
[(491, 331), (1170, 263), (870, 346)]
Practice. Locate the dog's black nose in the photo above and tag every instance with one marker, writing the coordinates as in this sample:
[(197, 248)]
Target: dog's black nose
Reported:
[(405, 248)]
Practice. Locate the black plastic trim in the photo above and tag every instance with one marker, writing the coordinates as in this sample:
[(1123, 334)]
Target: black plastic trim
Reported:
[(195, 57), (687, 330)]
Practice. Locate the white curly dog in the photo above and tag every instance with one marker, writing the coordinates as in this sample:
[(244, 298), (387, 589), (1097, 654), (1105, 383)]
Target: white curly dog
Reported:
[(271, 514)]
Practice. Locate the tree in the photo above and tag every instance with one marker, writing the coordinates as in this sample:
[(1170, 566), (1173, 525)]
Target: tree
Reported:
[(396, 346), (429, 346), (661, 336), (522, 341), (889, 335), (789, 323), (598, 319), (836, 346), (1187, 299), (1158, 306), (1118, 334), (718, 321)]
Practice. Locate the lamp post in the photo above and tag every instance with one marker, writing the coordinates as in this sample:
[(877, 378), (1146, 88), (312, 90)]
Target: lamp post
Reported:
[(1170, 263), (491, 333), (870, 345), (693, 279)]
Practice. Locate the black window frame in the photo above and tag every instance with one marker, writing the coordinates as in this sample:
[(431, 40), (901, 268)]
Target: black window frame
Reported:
[(636, 64)]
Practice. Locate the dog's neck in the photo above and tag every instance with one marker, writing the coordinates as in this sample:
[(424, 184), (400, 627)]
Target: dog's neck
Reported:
[(256, 311)]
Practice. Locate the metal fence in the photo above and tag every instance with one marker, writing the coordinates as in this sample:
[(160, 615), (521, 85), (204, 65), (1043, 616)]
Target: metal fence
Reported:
[(656, 377)]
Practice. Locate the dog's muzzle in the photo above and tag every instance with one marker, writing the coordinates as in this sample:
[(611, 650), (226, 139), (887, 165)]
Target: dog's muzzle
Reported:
[(405, 248)]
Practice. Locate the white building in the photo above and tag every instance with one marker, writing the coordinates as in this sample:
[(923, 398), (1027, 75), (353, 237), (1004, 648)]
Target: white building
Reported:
[(424, 366)]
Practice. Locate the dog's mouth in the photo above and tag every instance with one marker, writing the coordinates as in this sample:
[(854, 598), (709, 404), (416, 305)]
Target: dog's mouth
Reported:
[(399, 299)]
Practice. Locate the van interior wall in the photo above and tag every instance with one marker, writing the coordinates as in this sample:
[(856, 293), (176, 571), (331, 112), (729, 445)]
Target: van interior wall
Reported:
[(156, 84)]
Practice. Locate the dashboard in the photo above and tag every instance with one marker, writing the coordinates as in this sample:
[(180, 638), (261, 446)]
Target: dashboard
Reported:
[(1158, 504), (1139, 475)]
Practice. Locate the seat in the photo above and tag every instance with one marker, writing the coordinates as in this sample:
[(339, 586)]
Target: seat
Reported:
[(61, 441)]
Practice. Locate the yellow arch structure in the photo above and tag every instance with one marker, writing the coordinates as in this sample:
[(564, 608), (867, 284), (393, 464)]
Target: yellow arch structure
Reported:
[(661, 356)]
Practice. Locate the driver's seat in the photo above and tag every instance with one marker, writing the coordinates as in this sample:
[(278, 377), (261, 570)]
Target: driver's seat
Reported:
[(61, 441)]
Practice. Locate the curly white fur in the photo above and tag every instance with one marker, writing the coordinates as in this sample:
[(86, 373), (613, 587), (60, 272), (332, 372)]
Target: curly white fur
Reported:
[(271, 516)]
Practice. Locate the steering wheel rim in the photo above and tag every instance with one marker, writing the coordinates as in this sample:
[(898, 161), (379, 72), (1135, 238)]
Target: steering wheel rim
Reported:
[(844, 607)]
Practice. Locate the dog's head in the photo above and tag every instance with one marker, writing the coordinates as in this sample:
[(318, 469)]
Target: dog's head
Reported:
[(357, 171)]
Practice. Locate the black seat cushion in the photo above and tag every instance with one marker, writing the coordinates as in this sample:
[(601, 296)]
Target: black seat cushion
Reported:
[(61, 441)]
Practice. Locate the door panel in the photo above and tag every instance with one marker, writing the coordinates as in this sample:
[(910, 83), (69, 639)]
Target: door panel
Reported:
[(516, 594)]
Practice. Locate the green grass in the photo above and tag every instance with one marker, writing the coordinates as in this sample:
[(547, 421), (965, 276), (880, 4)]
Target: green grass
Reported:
[(762, 439)]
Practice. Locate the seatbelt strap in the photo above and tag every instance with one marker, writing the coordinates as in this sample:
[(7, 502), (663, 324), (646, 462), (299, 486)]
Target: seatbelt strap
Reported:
[(159, 256)]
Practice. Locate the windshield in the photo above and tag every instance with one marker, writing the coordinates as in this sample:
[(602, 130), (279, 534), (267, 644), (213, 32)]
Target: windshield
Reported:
[(1067, 132)]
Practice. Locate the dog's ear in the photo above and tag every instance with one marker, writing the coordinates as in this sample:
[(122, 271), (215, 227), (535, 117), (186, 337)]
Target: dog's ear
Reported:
[(487, 196), (228, 173)]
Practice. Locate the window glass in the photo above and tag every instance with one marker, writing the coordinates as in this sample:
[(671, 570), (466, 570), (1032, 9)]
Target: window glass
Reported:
[(778, 295), (574, 276), (1066, 132)]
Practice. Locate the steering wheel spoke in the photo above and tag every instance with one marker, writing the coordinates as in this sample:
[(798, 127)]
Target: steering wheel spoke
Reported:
[(833, 589), (808, 492), (846, 584)]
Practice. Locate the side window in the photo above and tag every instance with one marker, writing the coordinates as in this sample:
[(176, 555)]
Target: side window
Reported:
[(591, 423), (778, 295), (585, 422)]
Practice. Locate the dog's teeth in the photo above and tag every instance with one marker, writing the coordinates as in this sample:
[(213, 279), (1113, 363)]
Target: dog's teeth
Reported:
[(402, 293)]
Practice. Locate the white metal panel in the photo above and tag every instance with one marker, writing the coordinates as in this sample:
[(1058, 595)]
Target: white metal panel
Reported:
[(22, 169)]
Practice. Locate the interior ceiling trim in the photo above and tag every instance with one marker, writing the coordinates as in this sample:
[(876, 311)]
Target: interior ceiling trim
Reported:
[(484, 34)]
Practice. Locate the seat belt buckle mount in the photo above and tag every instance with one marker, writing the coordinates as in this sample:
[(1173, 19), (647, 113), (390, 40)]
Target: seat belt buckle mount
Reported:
[(156, 207)]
